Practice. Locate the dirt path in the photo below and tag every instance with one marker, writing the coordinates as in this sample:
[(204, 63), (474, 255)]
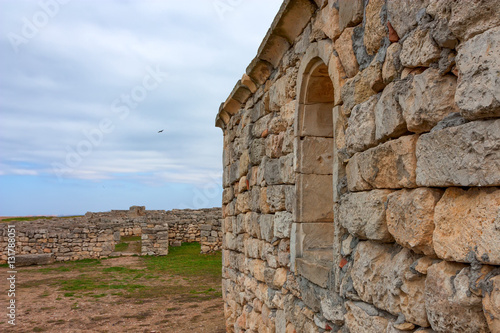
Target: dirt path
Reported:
[(113, 295)]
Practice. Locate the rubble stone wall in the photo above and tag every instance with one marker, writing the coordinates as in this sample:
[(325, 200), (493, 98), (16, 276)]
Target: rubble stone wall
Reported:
[(96, 234), (362, 170)]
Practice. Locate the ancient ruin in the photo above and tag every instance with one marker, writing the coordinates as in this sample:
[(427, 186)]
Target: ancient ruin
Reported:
[(95, 235), (362, 170)]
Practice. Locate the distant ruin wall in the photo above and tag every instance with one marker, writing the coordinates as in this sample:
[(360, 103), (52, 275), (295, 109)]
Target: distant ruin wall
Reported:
[(362, 171), (96, 234)]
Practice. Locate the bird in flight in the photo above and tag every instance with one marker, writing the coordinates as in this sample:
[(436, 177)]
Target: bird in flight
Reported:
[(160, 131)]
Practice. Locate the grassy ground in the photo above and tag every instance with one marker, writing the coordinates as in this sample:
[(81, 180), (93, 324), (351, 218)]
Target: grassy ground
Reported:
[(173, 293), (129, 244)]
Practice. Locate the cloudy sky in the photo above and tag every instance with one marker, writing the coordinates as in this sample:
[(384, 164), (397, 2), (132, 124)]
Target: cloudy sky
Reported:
[(85, 86)]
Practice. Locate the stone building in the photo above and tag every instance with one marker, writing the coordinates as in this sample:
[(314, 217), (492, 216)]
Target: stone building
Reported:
[(362, 170)]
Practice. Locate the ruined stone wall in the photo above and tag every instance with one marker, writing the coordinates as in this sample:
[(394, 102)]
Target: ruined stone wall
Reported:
[(96, 234), (362, 171)]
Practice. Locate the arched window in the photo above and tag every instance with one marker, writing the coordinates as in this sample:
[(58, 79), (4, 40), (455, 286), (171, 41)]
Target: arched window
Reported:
[(313, 231)]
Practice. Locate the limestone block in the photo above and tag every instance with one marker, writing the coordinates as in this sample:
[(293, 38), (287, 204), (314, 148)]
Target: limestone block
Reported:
[(430, 99), (375, 27), (403, 14), (350, 13), (382, 276), (491, 305), (315, 120), (364, 318), (466, 22), (466, 155), (274, 144), (282, 224), (34, 259), (451, 307), (276, 198), (410, 218), (345, 50), (467, 225), (391, 70), (367, 83), (272, 171), (364, 214), (243, 202), (389, 120), (360, 133), (478, 91), (329, 22), (314, 272), (314, 155), (389, 165), (419, 49), (287, 173), (338, 76), (314, 201), (266, 223), (283, 90)]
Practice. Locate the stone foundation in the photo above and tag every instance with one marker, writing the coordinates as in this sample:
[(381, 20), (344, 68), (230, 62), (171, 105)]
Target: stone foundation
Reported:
[(96, 234), (362, 170)]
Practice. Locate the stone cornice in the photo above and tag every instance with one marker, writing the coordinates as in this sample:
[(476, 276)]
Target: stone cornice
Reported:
[(288, 24)]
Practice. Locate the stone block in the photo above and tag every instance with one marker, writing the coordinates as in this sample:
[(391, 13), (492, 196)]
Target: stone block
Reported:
[(389, 165), (403, 14), (282, 224), (467, 225), (466, 22), (391, 70), (314, 155), (315, 120), (451, 307), (345, 50), (419, 49), (410, 218), (466, 155), (314, 272), (314, 198), (328, 22), (338, 76), (478, 91), (375, 25), (429, 100), (34, 259), (364, 318), (266, 223), (382, 276), (364, 214), (360, 133), (276, 198), (389, 120), (272, 171), (350, 13), (491, 304)]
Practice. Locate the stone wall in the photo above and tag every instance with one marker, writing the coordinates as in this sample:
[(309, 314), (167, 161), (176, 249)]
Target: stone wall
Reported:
[(96, 234), (362, 170)]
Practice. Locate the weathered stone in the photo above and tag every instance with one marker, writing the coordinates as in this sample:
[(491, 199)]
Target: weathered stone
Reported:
[(478, 91), (329, 22), (466, 155), (344, 48), (429, 100), (491, 304), (360, 133), (403, 14), (467, 21), (314, 155), (364, 318), (389, 120), (364, 214), (467, 225), (450, 306), (389, 165), (338, 76), (350, 13), (34, 259), (410, 218), (276, 198), (375, 28), (314, 198), (282, 224), (382, 276), (391, 70), (419, 49), (361, 87)]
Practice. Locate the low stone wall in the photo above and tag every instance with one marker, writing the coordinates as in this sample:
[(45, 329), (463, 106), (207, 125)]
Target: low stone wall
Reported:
[(96, 234)]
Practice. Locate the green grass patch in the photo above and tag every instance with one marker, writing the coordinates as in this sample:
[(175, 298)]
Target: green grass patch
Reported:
[(130, 238), (121, 247), (187, 261)]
